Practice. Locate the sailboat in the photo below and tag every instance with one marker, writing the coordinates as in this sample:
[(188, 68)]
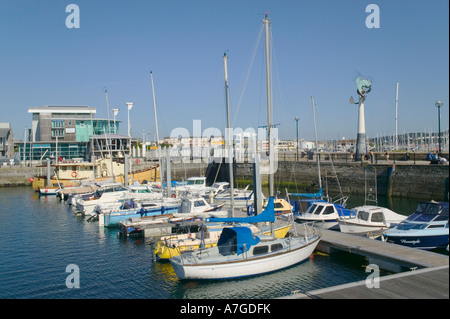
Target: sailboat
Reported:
[(239, 252)]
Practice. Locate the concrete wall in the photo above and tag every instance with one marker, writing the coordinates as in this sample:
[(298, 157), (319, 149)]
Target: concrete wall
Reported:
[(406, 180)]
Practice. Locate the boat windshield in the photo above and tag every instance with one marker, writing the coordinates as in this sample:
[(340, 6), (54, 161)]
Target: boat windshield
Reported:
[(363, 215), (195, 182), (377, 217), (185, 207), (314, 209), (328, 210), (427, 212)]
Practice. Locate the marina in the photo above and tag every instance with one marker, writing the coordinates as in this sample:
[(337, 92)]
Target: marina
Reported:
[(237, 212), (50, 237)]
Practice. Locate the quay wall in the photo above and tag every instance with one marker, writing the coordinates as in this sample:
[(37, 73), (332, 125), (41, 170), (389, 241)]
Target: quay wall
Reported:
[(422, 181), (403, 179)]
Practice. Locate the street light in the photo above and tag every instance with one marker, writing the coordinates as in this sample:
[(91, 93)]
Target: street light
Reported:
[(296, 120), (438, 105)]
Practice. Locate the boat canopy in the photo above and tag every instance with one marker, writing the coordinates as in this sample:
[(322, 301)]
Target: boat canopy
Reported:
[(268, 215), (236, 240)]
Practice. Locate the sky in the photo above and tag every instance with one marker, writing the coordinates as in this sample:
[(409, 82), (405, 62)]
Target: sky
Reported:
[(319, 47)]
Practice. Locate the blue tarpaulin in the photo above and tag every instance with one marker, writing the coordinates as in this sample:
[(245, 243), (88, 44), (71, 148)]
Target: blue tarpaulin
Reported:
[(236, 240), (268, 215)]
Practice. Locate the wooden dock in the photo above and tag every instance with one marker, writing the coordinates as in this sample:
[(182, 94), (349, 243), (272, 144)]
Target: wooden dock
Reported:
[(419, 273), (391, 257), (427, 283)]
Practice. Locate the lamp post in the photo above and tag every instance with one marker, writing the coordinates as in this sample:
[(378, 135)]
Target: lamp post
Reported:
[(296, 120), (438, 105)]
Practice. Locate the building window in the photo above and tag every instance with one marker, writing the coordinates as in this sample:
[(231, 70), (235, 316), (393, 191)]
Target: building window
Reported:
[(57, 123), (57, 133)]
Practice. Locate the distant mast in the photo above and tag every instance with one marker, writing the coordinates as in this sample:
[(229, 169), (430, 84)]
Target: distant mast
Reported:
[(229, 136), (396, 118), (161, 171)]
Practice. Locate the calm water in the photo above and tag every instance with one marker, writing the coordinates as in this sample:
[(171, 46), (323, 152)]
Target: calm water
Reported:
[(40, 237)]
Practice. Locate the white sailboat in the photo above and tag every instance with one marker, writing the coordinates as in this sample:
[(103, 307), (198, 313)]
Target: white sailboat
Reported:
[(239, 252)]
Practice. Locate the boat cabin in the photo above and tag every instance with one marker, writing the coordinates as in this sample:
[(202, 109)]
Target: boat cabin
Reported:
[(236, 240), (371, 215)]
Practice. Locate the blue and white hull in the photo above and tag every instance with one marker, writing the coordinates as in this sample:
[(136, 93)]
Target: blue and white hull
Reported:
[(113, 218), (431, 240)]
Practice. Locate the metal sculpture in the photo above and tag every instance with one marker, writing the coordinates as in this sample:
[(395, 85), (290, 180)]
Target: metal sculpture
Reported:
[(363, 86)]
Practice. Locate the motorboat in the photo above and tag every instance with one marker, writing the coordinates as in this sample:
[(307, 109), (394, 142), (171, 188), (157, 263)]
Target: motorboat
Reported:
[(242, 197), (188, 208), (105, 194), (370, 219), (240, 253), (426, 228), (154, 209), (324, 214)]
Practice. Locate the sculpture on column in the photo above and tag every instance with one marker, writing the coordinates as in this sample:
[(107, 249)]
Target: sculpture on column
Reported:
[(363, 86)]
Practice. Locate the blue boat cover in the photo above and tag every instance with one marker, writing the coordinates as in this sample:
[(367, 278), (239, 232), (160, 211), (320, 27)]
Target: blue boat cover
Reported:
[(236, 240), (268, 215), (319, 194)]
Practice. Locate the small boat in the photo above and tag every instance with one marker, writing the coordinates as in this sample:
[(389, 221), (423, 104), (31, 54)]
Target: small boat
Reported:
[(106, 194), (44, 191), (157, 210), (369, 219), (133, 221), (240, 253), (324, 214), (242, 197), (426, 228)]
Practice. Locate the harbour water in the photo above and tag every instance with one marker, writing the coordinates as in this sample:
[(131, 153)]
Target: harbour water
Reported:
[(41, 236)]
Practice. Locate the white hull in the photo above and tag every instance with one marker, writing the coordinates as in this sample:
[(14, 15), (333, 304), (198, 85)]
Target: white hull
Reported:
[(353, 228), (243, 267)]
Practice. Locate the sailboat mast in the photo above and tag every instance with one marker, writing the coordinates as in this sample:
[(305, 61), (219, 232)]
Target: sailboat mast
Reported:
[(396, 118), (317, 143), (161, 171), (269, 106), (229, 135)]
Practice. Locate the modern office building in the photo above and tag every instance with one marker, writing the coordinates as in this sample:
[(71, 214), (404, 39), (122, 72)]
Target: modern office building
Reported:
[(64, 132)]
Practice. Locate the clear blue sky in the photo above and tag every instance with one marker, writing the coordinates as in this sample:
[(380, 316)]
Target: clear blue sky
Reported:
[(319, 48)]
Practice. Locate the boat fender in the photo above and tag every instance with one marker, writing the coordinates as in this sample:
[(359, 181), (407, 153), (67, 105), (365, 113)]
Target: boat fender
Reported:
[(163, 209), (250, 210)]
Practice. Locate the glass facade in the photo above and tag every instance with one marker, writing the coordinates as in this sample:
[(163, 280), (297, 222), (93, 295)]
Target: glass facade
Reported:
[(66, 150)]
